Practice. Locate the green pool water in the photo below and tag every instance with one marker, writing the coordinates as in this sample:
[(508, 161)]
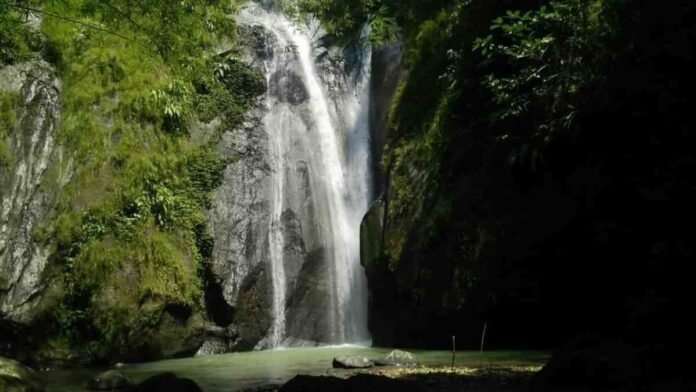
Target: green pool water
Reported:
[(248, 370)]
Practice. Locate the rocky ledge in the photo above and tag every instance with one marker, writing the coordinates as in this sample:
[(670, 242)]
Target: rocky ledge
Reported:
[(420, 379)]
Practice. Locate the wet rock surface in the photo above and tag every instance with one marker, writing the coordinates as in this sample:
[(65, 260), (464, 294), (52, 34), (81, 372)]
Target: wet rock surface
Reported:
[(219, 340), (288, 87), (398, 358), (352, 362)]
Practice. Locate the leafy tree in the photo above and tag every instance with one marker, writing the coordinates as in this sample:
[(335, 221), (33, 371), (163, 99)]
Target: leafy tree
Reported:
[(541, 68), (350, 24), (15, 31), (178, 30)]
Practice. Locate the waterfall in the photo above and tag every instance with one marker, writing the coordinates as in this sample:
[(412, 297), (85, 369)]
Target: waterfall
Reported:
[(316, 120)]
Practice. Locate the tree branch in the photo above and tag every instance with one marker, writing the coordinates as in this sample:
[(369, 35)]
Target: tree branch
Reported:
[(71, 20)]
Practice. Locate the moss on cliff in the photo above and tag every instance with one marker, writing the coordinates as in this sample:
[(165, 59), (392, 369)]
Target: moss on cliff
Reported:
[(8, 121), (531, 168), (129, 238)]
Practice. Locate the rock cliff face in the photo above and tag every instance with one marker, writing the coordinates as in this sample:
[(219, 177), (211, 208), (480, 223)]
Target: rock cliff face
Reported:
[(240, 213), (387, 72), (31, 180), (239, 221)]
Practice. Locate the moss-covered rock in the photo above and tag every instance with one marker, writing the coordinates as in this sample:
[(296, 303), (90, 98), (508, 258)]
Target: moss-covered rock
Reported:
[(371, 232), (14, 377)]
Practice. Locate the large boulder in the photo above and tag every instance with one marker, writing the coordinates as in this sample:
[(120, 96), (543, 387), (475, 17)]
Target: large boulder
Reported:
[(398, 358), (14, 377), (167, 382), (590, 363), (352, 362), (109, 381)]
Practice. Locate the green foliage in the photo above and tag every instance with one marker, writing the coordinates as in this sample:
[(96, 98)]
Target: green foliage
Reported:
[(8, 115), (382, 27), (150, 23), (130, 235), (523, 83), (8, 122), (5, 153), (174, 101), (17, 38), (543, 66), (228, 91), (205, 171), (421, 113), (349, 23), (110, 279), (140, 245), (385, 20)]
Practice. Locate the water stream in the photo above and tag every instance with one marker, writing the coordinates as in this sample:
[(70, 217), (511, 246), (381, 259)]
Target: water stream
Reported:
[(250, 370)]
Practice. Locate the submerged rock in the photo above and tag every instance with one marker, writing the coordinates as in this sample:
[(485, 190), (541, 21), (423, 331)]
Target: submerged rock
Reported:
[(109, 381), (352, 362), (14, 377), (167, 382), (398, 358)]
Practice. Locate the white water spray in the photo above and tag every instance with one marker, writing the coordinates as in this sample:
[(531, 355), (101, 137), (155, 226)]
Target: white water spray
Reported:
[(319, 150)]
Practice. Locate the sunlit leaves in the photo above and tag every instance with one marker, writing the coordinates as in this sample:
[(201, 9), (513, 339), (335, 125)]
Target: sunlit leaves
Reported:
[(175, 101), (347, 20), (382, 26)]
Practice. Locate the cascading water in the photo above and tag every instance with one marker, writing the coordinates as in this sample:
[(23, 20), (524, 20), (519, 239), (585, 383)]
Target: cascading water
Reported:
[(316, 120)]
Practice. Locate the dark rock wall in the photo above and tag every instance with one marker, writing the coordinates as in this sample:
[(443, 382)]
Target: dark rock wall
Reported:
[(387, 71)]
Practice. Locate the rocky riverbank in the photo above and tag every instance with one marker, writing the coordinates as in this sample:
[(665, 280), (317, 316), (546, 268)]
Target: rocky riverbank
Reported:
[(422, 378)]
